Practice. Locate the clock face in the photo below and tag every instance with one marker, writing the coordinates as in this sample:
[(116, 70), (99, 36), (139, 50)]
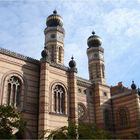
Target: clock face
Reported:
[(60, 37), (96, 55)]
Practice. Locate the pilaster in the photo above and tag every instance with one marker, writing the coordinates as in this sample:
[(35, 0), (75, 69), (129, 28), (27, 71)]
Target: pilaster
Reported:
[(43, 97), (102, 102), (73, 105)]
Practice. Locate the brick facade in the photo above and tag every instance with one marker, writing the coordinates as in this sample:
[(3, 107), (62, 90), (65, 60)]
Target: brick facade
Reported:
[(52, 95)]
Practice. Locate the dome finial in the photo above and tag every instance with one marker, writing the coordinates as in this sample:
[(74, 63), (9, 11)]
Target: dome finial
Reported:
[(45, 53), (72, 57), (55, 12), (133, 85), (72, 63), (93, 32)]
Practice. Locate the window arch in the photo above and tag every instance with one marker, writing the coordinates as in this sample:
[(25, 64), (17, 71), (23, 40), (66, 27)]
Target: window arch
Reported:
[(60, 54), (123, 119), (97, 70), (59, 99), (52, 53), (107, 118), (103, 70), (13, 91)]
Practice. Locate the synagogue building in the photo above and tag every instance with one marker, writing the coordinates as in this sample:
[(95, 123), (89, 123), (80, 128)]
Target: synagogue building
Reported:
[(50, 95)]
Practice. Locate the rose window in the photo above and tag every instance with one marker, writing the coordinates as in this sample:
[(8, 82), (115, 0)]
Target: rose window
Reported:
[(81, 111)]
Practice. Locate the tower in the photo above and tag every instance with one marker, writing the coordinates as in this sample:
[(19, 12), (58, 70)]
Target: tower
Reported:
[(97, 75), (51, 102), (54, 38), (95, 55)]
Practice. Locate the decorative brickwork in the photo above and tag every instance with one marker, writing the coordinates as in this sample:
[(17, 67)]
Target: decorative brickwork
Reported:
[(53, 96)]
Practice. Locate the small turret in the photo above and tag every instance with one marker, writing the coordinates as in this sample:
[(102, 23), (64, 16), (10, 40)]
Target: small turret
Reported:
[(133, 85), (72, 63)]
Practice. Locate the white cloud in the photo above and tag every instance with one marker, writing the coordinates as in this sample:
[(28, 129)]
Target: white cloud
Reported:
[(122, 22), (116, 21)]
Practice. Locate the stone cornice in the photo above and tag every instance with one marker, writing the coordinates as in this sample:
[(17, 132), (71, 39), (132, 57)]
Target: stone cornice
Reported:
[(60, 29), (103, 85), (121, 95), (18, 56), (95, 48), (62, 67), (84, 82)]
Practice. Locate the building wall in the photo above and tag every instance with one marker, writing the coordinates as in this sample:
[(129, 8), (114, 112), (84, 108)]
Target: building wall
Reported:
[(51, 76), (102, 102), (29, 74), (85, 98), (130, 102), (57, 76), (38, 80)]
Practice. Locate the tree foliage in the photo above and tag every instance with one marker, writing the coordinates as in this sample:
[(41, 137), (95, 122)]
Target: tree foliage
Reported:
[(82, 131), (11, 122), (92, 132)]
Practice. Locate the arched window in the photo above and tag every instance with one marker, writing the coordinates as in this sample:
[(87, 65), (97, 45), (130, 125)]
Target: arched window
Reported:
[(59, 54), (97, 72), (59, 99), (107, 118), (13, 91), (103, 69), (52, 53), (123, 117)]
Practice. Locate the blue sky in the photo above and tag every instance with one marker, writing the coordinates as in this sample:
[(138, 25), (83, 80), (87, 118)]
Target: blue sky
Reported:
[(117, 22)]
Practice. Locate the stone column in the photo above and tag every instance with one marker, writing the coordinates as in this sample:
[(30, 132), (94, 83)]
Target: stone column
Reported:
[(73, 105)]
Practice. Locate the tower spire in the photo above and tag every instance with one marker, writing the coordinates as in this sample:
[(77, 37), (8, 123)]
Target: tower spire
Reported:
[(96, 59), (54, 38)]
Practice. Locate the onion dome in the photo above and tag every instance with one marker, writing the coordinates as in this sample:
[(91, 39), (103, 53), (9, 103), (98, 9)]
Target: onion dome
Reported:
[(94, 40), (72, 63), (54, 20), (133, 86), (45, 53)]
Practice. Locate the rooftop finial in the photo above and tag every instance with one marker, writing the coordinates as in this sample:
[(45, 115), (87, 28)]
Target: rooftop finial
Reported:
[(72, 63), (133, 85), (93, 32), (72, 57), (55, 12)]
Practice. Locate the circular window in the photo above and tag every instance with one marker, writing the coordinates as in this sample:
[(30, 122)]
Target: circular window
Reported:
[(81, 111)]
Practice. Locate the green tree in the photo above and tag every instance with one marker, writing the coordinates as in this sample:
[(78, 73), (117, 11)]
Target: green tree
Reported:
[(11, 123), (90, 131), (82, 131)]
